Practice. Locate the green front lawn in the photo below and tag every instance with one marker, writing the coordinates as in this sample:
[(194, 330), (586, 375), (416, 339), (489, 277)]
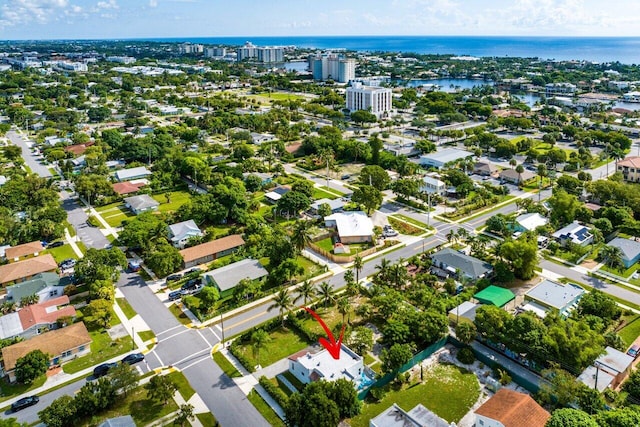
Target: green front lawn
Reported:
[(146, 335), (179, 314), (8, 390), (321, 194), (181, 381), (126, 307), (404, 227), (620, 273), (102, 349), (411, 220), (114, 214), (207, 419), (631, 330), (448, 391), (264, 409), (284, 342), (333, 190), (225, 365), (176, 199), (61, 253)]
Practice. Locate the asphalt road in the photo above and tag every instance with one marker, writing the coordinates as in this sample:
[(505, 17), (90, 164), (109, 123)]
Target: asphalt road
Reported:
[(27, 155), (91, 236)]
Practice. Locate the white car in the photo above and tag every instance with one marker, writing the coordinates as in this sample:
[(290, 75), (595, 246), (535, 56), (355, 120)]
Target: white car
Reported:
[(389, 232)]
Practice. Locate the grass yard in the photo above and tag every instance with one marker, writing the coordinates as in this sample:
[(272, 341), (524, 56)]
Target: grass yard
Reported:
[(404, 227), (411, 221), (176, 199), (321, 194), (126, 307), (102, 349), (284, 342), (331, 317), (225, 365), (182, 318), (143, 410), (624, 273), (631, 330), (327, 245), (332, 190), (207, 419), (293, 380), (184, 387), (114, 214), (8, 390), (448, 390), (266, 411), (310, 268), (279, 96), (146, 335), (61, 253)]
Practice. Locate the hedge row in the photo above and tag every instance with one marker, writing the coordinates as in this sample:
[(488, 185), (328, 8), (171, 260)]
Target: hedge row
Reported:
[(275, 391)]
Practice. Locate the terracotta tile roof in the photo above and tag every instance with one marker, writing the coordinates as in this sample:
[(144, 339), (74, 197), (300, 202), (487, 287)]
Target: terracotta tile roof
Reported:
[(46, 312), (27, 268), (24, 249), (298, 355), (53, 343), (213, 247), (514, 409), (78, 149), (126, 187), (630, 162)]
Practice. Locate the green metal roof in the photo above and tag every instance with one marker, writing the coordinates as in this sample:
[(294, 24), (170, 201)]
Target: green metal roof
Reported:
[(495, 295)]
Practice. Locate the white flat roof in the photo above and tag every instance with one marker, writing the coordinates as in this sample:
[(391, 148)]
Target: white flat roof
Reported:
[(349, 224), (447, 155), (10, 325), (555, 294), (328, 367)]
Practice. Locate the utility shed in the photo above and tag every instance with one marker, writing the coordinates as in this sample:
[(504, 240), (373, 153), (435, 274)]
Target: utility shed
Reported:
[(495, 295)]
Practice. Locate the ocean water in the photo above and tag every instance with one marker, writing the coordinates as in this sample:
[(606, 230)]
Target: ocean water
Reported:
[(599, 49)]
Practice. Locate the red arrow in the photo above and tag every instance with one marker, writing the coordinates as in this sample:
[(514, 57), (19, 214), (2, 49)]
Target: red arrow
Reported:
[(331, 345)]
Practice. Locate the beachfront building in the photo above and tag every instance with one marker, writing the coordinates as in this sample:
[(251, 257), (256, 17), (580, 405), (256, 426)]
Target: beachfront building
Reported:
[(329, 66), (376, 100)]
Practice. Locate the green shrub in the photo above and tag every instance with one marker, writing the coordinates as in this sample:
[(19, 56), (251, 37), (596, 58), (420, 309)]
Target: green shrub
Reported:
[(274, 391), (465, 355), (241, 357)]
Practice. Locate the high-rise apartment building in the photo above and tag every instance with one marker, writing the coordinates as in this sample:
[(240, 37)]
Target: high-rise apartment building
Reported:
[(270, 54), (248, 51), (377, 100), (215, 52), (332, 67)]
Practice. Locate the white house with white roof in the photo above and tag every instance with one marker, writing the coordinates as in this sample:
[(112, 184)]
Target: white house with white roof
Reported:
[(352, 227), (530, 221), (431, 185), (181, 232), (132, 173)]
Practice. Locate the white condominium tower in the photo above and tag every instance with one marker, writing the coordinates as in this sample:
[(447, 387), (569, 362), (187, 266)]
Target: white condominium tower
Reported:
[(377, 100)]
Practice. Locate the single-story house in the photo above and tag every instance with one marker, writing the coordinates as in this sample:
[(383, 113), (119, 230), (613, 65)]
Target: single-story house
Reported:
[(276, 194), (123, 421), (45, 285), (26, 250), (226, 278), (261, 138), (265, 178), (62, 344), (630, 250), (442, 157), (78, 149), (596, 378), (308, 367), (26, 269), (448, 262), (484, 168), (141, 203), (548, 295), (529, 222), (465, 312), (574, 232), (432, 185), (419, 416), (127, 187), (352, 227), (509, 408), (510, 175), (132, 173), (181, 232), (36, 318), (210, 251), (335, 205), (613, 362), (495, 295), (79, 162)]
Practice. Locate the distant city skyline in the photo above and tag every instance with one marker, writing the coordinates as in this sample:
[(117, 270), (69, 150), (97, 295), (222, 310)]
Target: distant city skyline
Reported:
[(91, 19)]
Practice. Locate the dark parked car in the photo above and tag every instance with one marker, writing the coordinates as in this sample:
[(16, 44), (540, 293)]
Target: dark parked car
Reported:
[(175, 295), (173, 277), (194, 270), (55, 244), (102, 370), (190, 284), (25, 402), (133, 358)]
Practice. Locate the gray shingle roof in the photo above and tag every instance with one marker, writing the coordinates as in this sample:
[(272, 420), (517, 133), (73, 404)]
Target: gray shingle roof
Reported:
[(472, 267), (227, 277), (629, 248), (141, 202)]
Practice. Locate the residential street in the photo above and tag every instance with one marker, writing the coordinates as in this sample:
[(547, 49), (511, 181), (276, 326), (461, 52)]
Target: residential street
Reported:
[(30, 160), (91, 236)]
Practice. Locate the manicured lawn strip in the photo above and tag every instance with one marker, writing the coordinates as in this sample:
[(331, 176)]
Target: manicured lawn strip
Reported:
[(284, 342), (102, 349), (266, 411), (448, 391), (61, 253), (405, 228), (625, 274), (143, 410), (207, 419), (499, 205), (376, 367), (82, 247), (182, 318), (184, 387), (225, 365), (126, 307), (293, 380), (411, 220), (12, 390), (368, 359), (177, 199), (310, 268), (321, 194), (146, 335), (332, 190), (631, 330)]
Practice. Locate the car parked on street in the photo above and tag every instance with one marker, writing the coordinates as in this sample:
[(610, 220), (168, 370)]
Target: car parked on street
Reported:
[(23, 403), (175, 295), (173, 278), (132, 358), (102, 370)]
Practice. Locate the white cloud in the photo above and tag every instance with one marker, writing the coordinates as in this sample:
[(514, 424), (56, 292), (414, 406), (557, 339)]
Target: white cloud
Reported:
[(106, 5), (153, 3), (25, 12)]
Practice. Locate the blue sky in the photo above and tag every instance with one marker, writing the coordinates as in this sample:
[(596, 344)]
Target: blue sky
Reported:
[(56, 19)]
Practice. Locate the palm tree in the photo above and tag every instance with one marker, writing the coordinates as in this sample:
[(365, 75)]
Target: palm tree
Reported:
[(325, 292), (519, 169), (612, 256), (513, 162), (282, 301), (306, 291), (451, 236), (358, 264), (344, 307), (383, 270), (259, 338), (300, 236), (463, 234)]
